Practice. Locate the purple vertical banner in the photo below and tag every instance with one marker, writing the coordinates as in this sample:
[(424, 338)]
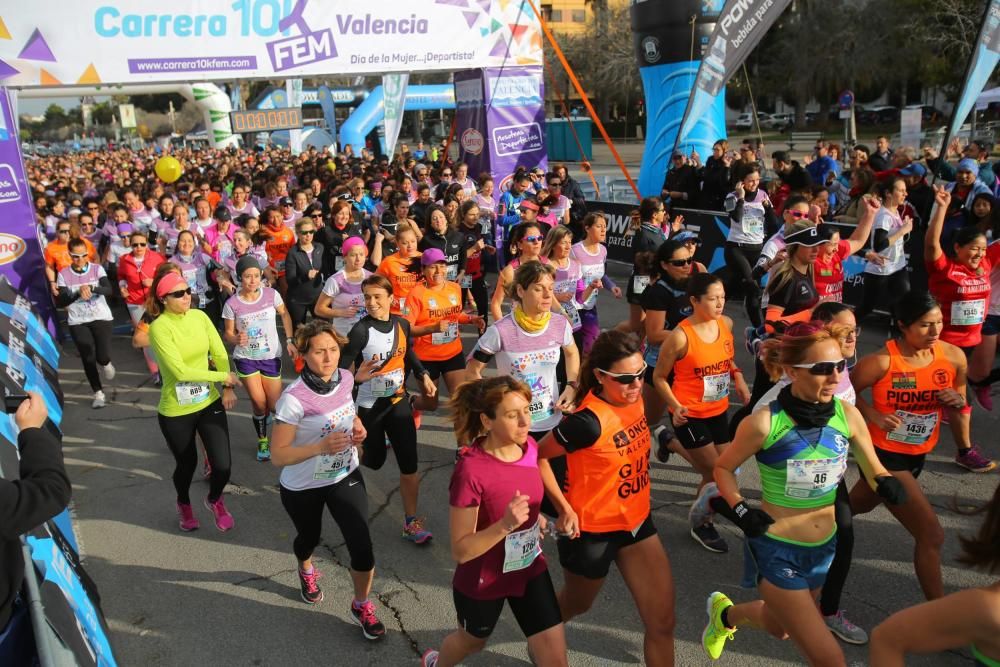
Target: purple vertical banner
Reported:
[(21, 259), (470, 126), (515, 118)]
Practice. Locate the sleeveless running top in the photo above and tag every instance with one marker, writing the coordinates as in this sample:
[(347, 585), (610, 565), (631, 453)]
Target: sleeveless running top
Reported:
[(911, 393), (569, 280), (389, 379), (750, 229), (800, 467), (396, 269), (607, 484), (701, 377), (429, 306), (592, 268)]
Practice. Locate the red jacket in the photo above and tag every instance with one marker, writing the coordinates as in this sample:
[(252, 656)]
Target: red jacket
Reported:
[(134, 275)]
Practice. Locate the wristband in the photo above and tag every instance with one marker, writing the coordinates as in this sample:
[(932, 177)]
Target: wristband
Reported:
[(967, 410), (573, 383)]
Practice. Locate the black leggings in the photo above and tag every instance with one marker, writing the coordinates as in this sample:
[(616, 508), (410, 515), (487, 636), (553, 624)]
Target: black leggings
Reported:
[(395, 420), (213, 427), (298, 311), (833, 587), (347, 501), (741, 260), (93, 340), (883, 291), (480, 296)]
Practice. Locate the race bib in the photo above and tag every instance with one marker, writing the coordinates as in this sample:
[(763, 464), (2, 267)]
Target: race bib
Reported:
[(914, 429), (442, 337), (572, 314), (715, 387), (388, 384), (814, 477), (279, 265), (452, 272), (257, 346), (191, 393), (402, 304), (334, 466), (520, 549), (965, 313), (338, 263), (466, 282), (753, 222), (639, 284)]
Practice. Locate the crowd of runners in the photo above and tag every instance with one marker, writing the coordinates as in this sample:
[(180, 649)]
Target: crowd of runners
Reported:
[(358, 276)]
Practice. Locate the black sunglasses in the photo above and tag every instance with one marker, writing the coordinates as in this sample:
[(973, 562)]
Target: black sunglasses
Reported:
[(139, 245), (824, 367), (307, 231), (625, 378), (681, 262), (180, 293), (317, 216)]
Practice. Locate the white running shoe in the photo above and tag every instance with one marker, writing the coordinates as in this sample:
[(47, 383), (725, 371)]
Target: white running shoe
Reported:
[(108, 372), (99, 400)]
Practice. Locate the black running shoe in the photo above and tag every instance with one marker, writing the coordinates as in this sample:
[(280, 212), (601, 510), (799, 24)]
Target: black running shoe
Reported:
[(707, 536)]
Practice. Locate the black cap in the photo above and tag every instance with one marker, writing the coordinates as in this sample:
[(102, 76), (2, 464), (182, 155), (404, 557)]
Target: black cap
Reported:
[(285, 201), (222, 213), (810, 236)]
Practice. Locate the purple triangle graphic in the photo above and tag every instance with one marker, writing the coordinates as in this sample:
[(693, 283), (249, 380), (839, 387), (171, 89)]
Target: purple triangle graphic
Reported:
[(471, 17), (6, 71), (500, 48), (37, 49), (455, 3), (485, 4)]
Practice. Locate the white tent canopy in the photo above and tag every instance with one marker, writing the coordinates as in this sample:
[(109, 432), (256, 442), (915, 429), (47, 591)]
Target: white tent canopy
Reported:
[(987, 97)]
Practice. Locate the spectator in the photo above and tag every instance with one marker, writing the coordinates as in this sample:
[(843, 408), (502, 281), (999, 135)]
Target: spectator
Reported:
[(822, 164), (681, 181), (571, 189), (716, 176), (881, 159)]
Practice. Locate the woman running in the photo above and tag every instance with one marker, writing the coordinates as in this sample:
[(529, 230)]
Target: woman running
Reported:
[(250, 324), (570, 290), (605, 516), (83, 286), (279, 240), (647, 226), (526, 245), (886, 276), (190, 404), (914, 380), (381, 356), (450, 241), (196, 266), (401, 267), (527, 344), (497, 528), (435, 313), (316, 436), (828, 269), (751, 217), (304, 271), (341, 299), (700, 357), (800, 442), (478, 246), (136, 271), (593, 256), (967, 618)]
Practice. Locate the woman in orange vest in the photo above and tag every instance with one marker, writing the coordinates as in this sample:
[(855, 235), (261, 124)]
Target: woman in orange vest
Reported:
[(700, 355), (400, 267), (280, 240), (434, 309), (605, 514), (915, 380)]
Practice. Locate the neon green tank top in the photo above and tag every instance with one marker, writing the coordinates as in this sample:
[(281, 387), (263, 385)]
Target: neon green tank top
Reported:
[(801, 466), (983, 660)]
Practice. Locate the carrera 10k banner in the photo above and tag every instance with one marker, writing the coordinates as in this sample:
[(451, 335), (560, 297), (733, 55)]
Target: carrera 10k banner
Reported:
[(739, 28), (140, 41)]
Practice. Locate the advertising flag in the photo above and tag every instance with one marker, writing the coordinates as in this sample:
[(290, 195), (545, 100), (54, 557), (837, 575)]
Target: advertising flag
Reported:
[(394, 93)]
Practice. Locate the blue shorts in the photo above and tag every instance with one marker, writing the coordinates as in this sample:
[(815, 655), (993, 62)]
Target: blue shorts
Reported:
[(269, 368), (790, 566), (991, 325)]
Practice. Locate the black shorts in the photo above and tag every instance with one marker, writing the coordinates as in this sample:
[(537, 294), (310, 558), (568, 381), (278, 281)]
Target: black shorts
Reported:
[(438, 368), (911, 463), (536, 611), (699, 432), (591, 554)]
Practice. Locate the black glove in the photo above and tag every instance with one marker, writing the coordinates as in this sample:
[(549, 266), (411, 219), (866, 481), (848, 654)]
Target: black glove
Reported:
[(890, 490), (752, 521)]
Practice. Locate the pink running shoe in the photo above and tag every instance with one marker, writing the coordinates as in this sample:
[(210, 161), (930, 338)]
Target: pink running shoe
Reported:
[(223, 519), (366, 618), (188, 521), (972, 459), (982, 393)]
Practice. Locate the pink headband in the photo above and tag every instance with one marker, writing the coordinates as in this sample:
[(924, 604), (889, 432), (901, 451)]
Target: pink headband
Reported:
[(352, 242), (167, 284)]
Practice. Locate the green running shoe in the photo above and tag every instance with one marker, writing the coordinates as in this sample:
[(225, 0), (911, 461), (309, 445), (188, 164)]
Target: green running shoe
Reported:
[(263, 449), (713, 638)]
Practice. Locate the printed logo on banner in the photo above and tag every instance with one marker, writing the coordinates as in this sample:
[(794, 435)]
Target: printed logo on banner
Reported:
[(307, 48), (469, 93), (8, 184), (514, 139), (515, 91), (11, 247), (472, 141), (651, 49)]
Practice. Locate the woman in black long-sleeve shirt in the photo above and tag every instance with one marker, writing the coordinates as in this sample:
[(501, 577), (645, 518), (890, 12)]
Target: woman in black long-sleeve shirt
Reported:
[(303, 273)]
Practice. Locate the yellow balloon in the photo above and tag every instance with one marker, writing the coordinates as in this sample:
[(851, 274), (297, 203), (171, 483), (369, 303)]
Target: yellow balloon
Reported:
[(168, 169)]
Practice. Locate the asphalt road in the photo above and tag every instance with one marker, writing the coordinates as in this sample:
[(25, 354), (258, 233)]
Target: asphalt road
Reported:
[(232, 599)]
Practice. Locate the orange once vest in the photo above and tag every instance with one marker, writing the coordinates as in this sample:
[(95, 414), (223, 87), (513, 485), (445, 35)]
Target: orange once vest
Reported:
[(607, 484), (702, 376), (277, 248), (911, 393), (426, 306), (403, 280)]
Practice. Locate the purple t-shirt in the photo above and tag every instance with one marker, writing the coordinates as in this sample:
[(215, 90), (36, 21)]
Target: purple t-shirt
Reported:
[(484, 481)]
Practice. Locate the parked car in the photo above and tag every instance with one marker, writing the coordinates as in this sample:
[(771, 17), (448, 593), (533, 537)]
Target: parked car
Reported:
[(780, 121), (744, 122), (878, 114)]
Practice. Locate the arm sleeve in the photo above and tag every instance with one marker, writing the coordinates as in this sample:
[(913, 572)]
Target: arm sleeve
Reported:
[(357, 338), (170, 357), (42, 491), (734, 205), (463, 248), (880, 239), (103, 285), (771, 222), (578, 431), (292, 274), (412, 362)]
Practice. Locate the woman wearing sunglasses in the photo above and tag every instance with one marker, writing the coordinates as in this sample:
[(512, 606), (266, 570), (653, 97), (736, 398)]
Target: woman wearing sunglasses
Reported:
[(593, 257), (915, 381), (700, 357), (526, 245), (828, 269), (570, 290), (83, 286), (304, 272), (136, 272), (190, 404), (886, 276), (605, 516), (751, 215), (800, 442)]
